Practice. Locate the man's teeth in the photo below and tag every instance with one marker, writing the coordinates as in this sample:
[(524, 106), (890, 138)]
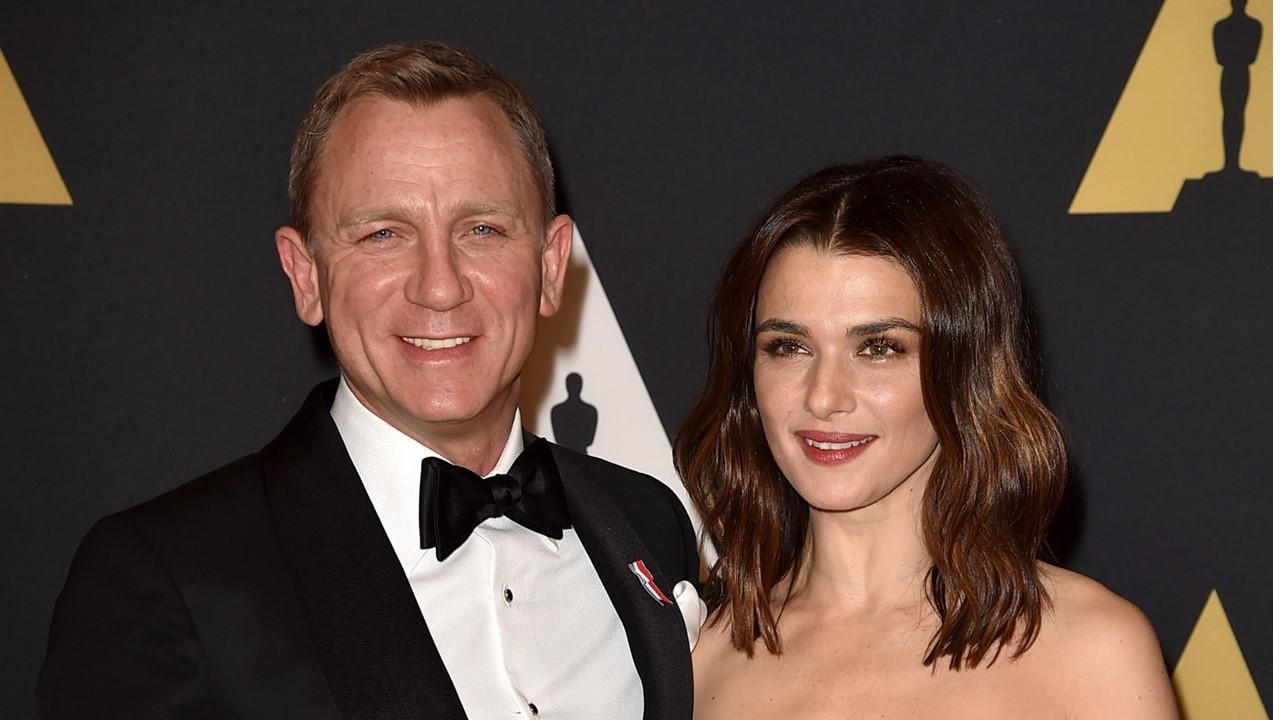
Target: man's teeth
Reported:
[(838, 446), (429, 344)]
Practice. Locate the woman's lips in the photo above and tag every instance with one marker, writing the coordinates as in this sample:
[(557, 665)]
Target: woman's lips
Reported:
[(829, 448)]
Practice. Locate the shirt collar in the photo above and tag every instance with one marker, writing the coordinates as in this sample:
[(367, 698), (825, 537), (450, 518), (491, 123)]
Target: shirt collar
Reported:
[(389, 463)]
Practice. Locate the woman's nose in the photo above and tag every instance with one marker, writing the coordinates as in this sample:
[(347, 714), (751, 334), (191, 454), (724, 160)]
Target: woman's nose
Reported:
[(831, 388)]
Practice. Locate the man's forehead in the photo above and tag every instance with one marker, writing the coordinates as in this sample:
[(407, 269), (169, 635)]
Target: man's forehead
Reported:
[(371, 117), (372, 129), (465, 135)]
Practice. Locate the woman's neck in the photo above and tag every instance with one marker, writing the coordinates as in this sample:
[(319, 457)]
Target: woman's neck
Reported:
[(868, 560)]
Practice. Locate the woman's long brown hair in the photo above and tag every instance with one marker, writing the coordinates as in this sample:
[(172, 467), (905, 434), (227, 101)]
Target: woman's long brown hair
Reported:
[(1001, 463)]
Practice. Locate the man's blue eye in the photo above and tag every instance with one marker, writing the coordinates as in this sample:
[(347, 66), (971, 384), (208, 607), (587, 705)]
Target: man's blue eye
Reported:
[(383, 234), (483, 230)]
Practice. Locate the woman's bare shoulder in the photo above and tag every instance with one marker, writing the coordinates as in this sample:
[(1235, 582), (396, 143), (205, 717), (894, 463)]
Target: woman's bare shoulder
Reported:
[(714, 654), (1080, 605), (1104, 649)]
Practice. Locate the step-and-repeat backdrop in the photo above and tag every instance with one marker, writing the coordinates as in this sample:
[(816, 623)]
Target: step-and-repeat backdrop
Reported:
[(149, 334)]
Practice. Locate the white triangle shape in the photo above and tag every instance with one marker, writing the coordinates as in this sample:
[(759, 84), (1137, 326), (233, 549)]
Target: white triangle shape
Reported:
[(584, 338)]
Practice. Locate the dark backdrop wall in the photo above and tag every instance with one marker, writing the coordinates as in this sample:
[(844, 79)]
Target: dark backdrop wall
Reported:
[(150, 334)]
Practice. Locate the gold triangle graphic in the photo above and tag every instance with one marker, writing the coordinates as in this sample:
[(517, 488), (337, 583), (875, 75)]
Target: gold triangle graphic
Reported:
[(1167, 125), (1211, 679), (28, 174)]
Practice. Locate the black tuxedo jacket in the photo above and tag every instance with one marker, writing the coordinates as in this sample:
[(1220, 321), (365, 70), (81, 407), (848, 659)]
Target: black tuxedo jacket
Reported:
[(268, 589)]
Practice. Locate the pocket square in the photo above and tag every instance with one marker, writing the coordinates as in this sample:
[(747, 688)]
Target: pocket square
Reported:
[(692, 609)]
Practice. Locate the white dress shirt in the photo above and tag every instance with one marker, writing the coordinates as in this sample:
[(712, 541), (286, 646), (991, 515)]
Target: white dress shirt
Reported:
[(521, 621)]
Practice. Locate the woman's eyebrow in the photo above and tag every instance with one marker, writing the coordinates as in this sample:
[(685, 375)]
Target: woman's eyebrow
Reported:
[(782, 326), (875, 327)]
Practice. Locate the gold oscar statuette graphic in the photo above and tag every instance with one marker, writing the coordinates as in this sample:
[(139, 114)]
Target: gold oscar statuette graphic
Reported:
[(1211, 679), (1197, 104), (28, 175)]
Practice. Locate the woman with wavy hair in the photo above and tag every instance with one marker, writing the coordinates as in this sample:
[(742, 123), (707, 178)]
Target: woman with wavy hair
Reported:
[(878, 475)]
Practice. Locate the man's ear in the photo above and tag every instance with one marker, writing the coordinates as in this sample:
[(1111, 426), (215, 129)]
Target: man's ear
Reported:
[(304, 275), (555, 262)]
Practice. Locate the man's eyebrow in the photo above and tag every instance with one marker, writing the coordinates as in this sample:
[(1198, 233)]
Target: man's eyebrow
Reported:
[(875, 327), (487, 208), (781, 326), (400, 213), (366, 215)]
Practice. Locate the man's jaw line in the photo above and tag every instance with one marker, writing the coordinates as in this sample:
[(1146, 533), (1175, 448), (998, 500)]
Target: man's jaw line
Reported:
[(457, 439)]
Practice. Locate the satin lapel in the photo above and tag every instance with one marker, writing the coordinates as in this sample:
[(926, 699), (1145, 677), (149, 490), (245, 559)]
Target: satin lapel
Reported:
[(655, 631), (379, 658)]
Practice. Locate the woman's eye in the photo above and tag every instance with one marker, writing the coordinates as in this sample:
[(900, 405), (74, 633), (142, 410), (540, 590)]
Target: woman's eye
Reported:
[(784, 348), (880, 349)]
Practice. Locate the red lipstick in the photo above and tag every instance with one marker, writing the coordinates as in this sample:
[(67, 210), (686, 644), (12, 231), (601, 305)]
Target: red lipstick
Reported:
[(832, 448)]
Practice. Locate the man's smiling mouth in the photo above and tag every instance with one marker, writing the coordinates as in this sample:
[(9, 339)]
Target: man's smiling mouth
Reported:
[(437, 344)]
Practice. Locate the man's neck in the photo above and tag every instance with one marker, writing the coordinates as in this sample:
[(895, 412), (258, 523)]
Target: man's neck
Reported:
[(478, 452)]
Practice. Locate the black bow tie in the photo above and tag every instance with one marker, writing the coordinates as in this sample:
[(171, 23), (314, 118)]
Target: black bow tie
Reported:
[(455, 500)]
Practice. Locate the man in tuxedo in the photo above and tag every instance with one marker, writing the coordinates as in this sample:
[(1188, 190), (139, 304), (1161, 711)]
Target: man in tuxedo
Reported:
[(402, 549)]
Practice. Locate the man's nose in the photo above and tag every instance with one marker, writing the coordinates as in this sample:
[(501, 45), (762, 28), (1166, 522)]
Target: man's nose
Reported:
[(831, 388), (438, 281)]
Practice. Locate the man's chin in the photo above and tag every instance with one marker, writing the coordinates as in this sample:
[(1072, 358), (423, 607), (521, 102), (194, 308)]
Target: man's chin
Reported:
[(459, 416)]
